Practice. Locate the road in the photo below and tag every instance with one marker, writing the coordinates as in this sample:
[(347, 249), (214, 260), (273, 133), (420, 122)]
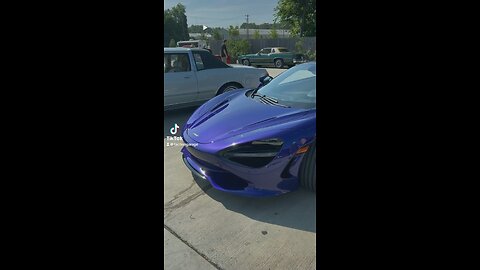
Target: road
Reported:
[(208, 229)]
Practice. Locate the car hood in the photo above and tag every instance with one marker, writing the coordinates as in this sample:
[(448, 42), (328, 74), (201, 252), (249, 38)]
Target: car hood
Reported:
[(237, 114)]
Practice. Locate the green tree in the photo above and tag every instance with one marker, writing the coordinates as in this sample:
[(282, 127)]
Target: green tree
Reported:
[(265, 26), (175, 24), (256, 34), (233, 32), (216, 34), (273, 33), (195, 28), (300, 15), (249, 26)]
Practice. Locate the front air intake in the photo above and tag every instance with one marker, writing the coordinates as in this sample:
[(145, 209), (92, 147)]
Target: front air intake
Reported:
[(254, 154)]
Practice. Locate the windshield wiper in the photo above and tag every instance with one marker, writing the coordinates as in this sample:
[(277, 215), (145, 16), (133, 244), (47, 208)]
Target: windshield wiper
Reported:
[(271, 101), (274, 100)]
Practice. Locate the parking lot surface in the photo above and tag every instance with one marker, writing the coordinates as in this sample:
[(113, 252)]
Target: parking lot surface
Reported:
[(275, 71), (208, 229)]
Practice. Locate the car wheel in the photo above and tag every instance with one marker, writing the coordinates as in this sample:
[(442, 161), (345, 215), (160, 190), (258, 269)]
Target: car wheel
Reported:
[(228, 87), (308, 169), (278, 63), (245, 62)]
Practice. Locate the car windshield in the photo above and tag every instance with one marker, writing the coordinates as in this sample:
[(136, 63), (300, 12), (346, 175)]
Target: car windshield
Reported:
[(295, 87)]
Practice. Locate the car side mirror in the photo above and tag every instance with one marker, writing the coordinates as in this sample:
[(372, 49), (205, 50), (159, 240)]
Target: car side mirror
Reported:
[(265, 79)]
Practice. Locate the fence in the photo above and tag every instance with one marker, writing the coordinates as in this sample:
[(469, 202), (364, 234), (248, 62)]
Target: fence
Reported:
[(309, 43)]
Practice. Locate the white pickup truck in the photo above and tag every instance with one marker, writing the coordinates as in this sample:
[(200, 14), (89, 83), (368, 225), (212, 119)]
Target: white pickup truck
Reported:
[(193, 76)]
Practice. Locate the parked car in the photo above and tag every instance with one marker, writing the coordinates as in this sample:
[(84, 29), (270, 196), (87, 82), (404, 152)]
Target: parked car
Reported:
[(193, 76), (257, 142), (276, 56)]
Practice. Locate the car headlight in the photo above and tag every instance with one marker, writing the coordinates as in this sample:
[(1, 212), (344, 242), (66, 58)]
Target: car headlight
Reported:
[(253, 154)]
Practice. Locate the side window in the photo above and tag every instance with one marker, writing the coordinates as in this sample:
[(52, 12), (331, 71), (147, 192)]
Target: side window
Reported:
[(198, 61), (207, 60), (176, 62)]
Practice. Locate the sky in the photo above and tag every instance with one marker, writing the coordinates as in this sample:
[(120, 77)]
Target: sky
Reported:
[(222, 13)]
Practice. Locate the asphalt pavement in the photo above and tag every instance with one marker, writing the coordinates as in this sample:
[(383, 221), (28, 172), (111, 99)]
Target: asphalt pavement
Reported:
[(208, 229)]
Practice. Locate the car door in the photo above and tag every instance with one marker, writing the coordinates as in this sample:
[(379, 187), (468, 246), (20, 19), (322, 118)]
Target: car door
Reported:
[(180, 82), (253, 58), (257, 58), (211, 74), (265, 56), (271, 56)]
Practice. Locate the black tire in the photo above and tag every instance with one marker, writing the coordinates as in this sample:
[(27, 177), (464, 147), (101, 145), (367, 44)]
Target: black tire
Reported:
[(278, 63), (308, 169), (228, 87), (245, 62)]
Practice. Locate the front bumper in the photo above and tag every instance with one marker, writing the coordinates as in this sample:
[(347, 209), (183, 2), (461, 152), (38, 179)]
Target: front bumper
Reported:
[(299, 61), (245, 181)]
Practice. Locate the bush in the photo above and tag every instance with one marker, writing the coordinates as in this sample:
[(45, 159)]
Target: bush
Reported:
[(299, 46), (236, 48), (310, 55), (172, 43)]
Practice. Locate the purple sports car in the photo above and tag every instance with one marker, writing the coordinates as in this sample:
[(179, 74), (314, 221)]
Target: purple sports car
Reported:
[(257, 142)]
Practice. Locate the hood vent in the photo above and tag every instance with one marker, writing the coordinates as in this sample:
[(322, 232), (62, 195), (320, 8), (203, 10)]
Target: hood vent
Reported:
[(219, 105)]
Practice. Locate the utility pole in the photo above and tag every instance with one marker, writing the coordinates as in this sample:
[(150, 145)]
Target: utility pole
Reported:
[(247, 25)]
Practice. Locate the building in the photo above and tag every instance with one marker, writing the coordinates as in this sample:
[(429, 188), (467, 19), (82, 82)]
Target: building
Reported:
[(264, 33), (198, 35)]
